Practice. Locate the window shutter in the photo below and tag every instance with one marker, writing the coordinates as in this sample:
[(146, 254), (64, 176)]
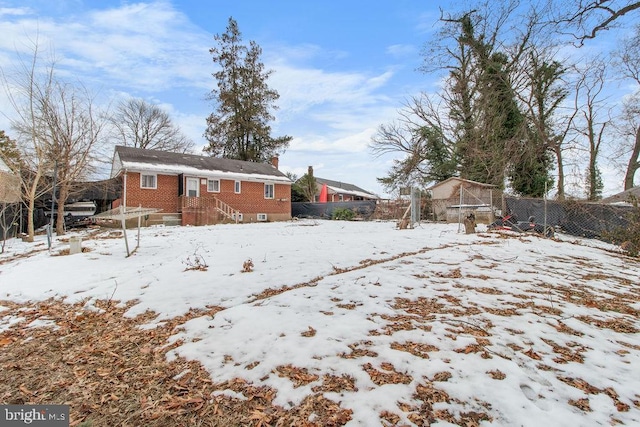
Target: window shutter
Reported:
[(180, 184)]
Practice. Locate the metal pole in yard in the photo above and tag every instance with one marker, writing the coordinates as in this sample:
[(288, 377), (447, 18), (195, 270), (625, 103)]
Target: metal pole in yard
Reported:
[(53, 205), (460, 208), (124, 229), (491, 216), (139, 219), (545, 210)]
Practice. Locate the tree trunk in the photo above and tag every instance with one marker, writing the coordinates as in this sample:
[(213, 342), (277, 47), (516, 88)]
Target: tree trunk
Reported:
[(593, 177), (634, 162), (558, 152), (63, 194), (31, 232)]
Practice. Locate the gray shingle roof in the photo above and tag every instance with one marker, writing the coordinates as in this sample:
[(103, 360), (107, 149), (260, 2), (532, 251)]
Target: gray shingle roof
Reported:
[(343, 185), (623, 196), (204, 163)]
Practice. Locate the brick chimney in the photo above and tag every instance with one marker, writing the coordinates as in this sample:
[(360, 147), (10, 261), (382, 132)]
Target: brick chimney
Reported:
[(274, 161)]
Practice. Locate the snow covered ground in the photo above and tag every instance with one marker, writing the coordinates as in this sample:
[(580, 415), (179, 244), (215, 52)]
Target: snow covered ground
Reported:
[(518, 330)]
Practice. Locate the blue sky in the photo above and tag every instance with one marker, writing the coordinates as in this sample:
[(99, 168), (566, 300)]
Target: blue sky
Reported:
[(341, 68)]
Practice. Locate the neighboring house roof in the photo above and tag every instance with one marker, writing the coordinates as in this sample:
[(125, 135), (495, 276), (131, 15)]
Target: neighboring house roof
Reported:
[(468, 181), (623, 197), (345, 188), (165, 162)]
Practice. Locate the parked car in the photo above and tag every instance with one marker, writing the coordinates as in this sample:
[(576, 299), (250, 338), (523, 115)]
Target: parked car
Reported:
[(75, 214)]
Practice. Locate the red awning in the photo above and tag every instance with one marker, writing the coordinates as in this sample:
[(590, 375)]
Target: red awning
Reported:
[(323, 194)]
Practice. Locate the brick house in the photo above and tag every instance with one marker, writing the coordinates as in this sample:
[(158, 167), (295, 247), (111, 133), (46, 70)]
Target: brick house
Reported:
[(343, 192), (200, 189), (340, 191)]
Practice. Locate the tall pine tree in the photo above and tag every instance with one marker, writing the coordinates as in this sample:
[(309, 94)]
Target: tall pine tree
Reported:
[(239, 127)]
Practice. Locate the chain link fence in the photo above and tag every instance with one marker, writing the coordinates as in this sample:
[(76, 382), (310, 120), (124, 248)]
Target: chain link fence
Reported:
[(362, 209), (578, 218)]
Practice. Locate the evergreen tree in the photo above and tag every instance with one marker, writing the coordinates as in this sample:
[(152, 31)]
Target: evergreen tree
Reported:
[(9, 152), (308, 187), (239, 127)]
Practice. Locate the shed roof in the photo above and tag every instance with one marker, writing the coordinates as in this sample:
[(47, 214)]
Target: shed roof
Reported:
[(468, 181), (623, 196), (139, 159)]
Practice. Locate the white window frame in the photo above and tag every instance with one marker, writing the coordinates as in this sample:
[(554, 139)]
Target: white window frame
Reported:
[(272, 194), (189, 179), (155, 181), (211, 181), (261, 217), (237, 187)]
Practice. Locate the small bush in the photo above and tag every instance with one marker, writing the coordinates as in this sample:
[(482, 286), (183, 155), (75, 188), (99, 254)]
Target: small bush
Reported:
[(196, 262), (343, 214), (628, 237), (247, 266)]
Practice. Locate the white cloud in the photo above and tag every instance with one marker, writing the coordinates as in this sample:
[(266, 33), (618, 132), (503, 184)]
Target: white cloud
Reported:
[(144, 45), (14, 11), (402, 50), (153, 51)]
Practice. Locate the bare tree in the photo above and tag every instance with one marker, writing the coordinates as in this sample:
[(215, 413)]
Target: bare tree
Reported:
[(422, 137), (584, 19), (593, 119), (629, 128), (542, 94), (9, 192), (72, 126), (9, 216), (28, 91), (628, 62), (136, 123), (474, 127)]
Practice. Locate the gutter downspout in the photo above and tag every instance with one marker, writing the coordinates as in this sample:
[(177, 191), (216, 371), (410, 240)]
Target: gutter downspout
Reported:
[(124, 189), (123, 208)]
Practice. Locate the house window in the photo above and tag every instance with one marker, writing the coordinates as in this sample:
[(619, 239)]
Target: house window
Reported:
[(193, 187), (268, 191), (342, 198), (213, 186), (148, 181), (236, 187)]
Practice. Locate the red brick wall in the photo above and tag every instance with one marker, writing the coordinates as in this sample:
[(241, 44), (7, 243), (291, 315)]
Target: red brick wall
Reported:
[(164, 197), (251, 198), (250, 201)]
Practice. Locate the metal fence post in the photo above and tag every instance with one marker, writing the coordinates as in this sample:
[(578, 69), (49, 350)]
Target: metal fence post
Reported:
[(544, 232), (460, 207)]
